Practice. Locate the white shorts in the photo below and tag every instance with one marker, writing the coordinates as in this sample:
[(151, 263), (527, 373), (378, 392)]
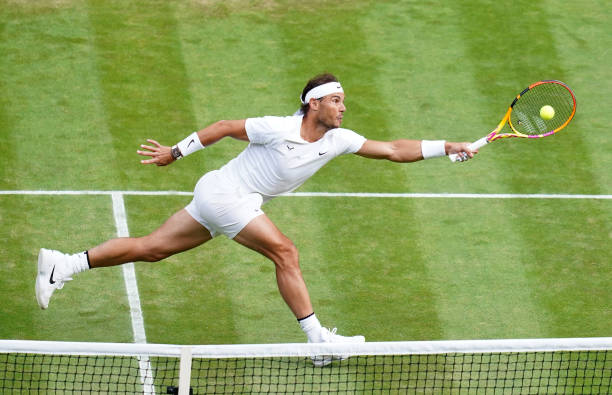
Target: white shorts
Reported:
[(221, 207)]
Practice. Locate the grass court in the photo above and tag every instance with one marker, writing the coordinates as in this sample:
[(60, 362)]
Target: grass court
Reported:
[(84, 83)]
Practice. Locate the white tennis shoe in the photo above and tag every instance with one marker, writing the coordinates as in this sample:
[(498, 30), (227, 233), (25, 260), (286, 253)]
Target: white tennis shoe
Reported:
[(330, 336), (49, 278)]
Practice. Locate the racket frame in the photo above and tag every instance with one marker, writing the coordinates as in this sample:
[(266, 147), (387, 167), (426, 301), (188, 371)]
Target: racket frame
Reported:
[(495, 135)]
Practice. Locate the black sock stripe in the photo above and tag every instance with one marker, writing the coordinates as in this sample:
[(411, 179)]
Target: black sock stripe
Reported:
[(87, 255), (303, 318)]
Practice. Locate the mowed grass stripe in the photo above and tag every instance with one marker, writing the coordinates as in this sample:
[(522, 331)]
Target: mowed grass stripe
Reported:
[(7, 121), (567, 247), (468, 290), (422, 96), (425, 90), (144, 87), (93, 307), (479, 271), (398, 284), (51, 118), (581, 32), (541, 166), (7, 179)]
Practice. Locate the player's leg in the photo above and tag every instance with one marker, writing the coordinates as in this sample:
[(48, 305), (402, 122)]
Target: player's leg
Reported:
[(179, 233), (261, 235)]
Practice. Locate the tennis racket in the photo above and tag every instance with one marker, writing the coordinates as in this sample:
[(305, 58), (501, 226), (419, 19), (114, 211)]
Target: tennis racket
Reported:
[(524, 119)]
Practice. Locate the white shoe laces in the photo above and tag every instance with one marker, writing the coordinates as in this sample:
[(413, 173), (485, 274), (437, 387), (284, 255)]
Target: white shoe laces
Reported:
[(331, 335), (59, 284)]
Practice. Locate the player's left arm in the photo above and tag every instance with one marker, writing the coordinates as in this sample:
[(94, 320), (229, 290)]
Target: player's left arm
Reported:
[(404, 150), (162, 155)]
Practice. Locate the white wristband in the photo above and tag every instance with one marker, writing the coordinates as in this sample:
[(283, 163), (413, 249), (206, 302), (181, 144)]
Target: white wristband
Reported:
[(190, 144), (433, 149)]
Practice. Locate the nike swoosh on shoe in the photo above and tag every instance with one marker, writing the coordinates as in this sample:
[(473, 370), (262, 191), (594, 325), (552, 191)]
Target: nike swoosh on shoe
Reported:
[(51, 277)]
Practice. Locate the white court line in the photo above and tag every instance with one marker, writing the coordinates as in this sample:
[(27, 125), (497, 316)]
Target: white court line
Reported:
[(451, 195), (129, 276), (338, 194)]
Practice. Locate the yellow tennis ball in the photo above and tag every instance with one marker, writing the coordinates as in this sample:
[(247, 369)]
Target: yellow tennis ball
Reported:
[(547, 112)]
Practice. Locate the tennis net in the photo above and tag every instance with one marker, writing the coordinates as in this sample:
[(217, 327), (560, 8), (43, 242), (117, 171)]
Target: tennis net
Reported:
[(532, 366)]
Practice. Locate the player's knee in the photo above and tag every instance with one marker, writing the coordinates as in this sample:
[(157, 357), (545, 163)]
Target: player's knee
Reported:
[(152, 252), (156, 256), (287, 256)]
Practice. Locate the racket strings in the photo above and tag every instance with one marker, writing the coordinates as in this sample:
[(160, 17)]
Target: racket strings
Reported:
[(525, 117)]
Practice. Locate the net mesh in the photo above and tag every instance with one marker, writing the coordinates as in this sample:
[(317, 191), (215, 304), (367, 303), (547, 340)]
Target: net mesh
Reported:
[(525, 117), (530, 372), (503, 373)]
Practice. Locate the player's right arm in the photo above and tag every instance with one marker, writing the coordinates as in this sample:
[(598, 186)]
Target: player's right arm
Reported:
[(162, 155), (404, 150)]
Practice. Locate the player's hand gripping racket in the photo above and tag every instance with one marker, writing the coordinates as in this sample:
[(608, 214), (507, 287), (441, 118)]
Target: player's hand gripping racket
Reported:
[(540, 110)]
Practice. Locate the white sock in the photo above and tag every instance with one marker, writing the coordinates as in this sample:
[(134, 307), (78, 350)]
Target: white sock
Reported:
[(76, 263), (312, 328)]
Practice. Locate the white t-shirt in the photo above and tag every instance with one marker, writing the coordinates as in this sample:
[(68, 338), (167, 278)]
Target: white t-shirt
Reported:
[(277, 160)]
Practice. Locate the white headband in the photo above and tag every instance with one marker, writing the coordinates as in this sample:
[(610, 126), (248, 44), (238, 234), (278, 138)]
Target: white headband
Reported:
[(322, 90)]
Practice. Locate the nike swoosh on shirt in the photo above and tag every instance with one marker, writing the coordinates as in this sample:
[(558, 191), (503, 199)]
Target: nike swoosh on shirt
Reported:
[(322, 153), (51, 278)]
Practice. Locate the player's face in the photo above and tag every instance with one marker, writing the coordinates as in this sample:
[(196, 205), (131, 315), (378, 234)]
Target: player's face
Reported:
[(331, 110)]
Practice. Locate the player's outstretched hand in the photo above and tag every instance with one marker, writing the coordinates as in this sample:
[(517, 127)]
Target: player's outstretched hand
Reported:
[(462, 150), (160, 154)]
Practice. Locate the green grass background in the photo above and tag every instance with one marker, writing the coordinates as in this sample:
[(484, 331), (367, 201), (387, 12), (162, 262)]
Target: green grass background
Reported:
[(83, 83)]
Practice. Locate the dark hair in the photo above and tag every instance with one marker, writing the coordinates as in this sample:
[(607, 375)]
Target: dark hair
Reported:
[(313, 83)]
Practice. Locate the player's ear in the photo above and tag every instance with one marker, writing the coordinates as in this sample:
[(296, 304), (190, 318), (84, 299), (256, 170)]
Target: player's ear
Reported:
[(314, 104)]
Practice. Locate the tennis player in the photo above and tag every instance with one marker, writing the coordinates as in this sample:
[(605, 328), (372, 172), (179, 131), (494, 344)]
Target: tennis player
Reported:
[(283, 152)]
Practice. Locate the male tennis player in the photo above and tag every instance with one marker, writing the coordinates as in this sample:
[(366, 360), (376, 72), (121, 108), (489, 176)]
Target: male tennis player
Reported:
[(283, 152)]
